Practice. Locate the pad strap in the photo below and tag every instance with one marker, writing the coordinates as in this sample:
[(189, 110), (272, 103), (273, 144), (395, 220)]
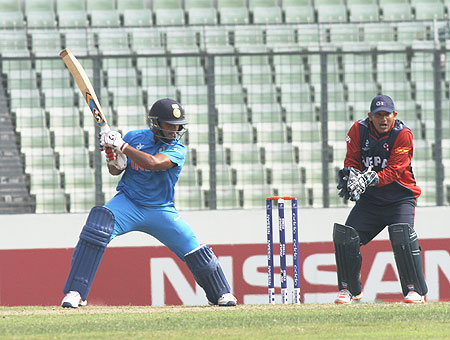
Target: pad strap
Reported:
[(348, 258), (86, 257), (206, 269)]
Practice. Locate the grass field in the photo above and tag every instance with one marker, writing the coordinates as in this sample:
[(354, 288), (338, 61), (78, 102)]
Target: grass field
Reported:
[(357, 321)]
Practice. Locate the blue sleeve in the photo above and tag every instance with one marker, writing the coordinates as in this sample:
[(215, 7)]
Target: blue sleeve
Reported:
[(176, 153)]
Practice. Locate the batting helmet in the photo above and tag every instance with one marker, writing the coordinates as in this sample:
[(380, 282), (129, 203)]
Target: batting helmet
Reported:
[(168, 111)]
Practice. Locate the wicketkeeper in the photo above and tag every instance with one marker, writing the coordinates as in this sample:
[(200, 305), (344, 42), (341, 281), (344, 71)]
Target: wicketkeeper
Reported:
[(151, 160), (378, 176)]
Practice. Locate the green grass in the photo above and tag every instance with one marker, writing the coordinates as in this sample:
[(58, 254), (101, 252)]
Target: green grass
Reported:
[(357, 321)]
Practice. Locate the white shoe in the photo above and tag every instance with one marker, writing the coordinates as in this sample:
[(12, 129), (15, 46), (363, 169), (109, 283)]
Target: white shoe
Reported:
[(345, 297), (73, 300), (414, 297), (226, 300)]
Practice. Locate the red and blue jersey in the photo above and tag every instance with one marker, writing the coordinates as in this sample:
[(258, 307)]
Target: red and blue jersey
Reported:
[(151, 188), (389, 155)]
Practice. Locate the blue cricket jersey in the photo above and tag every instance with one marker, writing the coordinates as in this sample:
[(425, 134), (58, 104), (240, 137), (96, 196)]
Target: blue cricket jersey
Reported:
[(151, 188)]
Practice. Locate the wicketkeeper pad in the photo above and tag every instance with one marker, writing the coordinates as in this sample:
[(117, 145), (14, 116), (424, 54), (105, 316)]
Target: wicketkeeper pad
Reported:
[(408, 258), (89, 251), (206, 269), (348, 258)]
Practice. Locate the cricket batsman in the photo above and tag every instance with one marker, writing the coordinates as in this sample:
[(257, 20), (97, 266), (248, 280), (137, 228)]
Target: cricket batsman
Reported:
[(151, 161), (378, 176)]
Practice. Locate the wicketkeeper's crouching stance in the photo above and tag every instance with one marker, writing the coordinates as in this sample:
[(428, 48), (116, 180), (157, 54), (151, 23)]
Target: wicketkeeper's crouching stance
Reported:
[(378, 176), (152, 160)]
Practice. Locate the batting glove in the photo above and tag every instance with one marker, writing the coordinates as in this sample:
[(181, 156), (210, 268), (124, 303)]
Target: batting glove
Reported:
[(112, 139), (358, 182), (116, 159)]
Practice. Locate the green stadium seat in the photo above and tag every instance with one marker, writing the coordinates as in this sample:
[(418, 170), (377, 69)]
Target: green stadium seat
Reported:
[(41, 20), (328, 2), (262, 3), (188, 4), (285, 174), (169, 16), (59, 97), (256, 74), (280, 154), (429, 11), (299, 14), (51, 201), (39, 6), (189, 75), (113, 42), (131, 117), (265, 113), (132, 5), (361, 2), (227, 197), (156, 75), (35, 137), (308, 34), (280, 35), (80, 42), (202, 16), (193, 94), (396, 11), (101, 5), (213, 37), (229, 15), (181, 38), (250, 174), (237, 133), (137, 17), (44, 179), (24, 98), (105, 18), (364, 12), (21, 79), (13, 20), (39, 159), (188, 198), (121, 77), (70, 5), (295, 93), (62, 117), (267, 15), (147, 40), (267, 132), (10, 5), (344, 33), (331, 13), (232, 113), (374, 33), (167, 4), (253, 195), (29, 118), (231, 3), (408, 32), (72, 19), (46, 44)]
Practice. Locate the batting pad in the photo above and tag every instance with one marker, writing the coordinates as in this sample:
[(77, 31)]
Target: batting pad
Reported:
[(88, 253), (408, 258), (206, 269), (348, 258)]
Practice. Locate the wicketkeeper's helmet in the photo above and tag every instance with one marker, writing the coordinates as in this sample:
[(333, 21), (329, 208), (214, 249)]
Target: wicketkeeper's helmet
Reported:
[(168, 111)]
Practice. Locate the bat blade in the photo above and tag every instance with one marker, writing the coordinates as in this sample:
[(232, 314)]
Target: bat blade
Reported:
[(84, 84)]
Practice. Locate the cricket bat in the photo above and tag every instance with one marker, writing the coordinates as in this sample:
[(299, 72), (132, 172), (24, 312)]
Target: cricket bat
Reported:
[(86, 88)]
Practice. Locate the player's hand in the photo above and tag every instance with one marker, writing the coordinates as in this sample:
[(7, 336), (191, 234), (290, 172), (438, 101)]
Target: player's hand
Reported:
[(116, 158), (342, 183), (112, 139), (358, 182)]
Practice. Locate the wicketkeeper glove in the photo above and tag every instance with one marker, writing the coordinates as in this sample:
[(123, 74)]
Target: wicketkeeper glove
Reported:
[(116, 158), (112, 139), (342, 183), (358, 182)]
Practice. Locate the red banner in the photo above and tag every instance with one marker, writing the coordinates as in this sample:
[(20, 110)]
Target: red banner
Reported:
[(154, 276)]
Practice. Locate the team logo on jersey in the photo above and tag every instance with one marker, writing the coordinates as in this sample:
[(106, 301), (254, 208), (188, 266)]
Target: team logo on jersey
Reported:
[(366, 145), (386, 146), (348, 139), (139, 146), (402, 151), (176, 111)]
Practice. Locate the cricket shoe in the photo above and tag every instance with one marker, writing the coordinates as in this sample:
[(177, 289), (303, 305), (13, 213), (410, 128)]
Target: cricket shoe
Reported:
[(73, 300), (226, 300), (345, 297), (414, 297)]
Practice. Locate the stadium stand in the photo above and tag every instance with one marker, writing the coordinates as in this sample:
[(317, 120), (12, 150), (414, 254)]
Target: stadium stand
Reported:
[(266, 85)]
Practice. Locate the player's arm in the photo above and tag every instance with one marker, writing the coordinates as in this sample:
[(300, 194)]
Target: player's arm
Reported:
[(158, 162), (353, 156), (399, 160), (147, 161)]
